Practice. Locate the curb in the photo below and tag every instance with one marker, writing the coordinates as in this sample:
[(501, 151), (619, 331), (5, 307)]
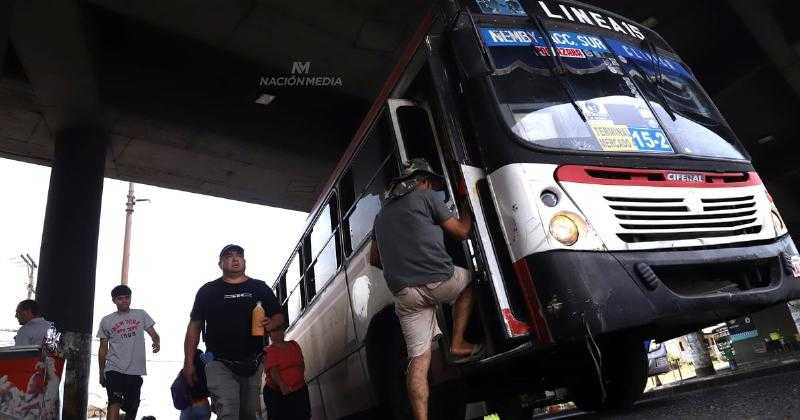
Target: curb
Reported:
[(695, 384)]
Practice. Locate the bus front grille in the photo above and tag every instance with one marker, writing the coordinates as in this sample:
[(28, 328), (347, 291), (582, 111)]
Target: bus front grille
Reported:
[(673, 218)]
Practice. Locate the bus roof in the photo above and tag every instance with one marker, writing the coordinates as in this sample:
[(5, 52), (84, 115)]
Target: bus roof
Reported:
[(386, 89), (548, 9), (579, 13)]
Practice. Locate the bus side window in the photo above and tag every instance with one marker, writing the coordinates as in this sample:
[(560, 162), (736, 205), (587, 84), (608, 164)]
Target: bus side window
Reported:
[(362, 186), (294, 302), (323, 244), (280, 291)]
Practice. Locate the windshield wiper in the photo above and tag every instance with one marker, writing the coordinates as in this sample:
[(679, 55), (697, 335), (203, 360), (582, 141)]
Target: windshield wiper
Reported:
[(557, 66), (659, 74), (654, 87)]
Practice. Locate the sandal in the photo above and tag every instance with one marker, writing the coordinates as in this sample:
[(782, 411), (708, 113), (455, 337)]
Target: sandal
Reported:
[(477, 352)]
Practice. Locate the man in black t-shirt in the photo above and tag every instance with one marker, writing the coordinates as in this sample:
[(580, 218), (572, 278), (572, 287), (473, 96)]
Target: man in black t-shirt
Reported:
[(222, 311)]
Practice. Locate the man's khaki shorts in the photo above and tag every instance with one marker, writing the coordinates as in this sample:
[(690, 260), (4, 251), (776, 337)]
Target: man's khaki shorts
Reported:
[(416, 309)]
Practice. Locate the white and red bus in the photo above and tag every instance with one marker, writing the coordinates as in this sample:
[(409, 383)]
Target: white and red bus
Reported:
[(612, 203)]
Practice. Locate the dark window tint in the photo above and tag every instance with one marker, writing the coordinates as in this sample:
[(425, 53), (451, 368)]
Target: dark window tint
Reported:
[(322, 245), (362, 186), (378, 145), (418, 135), (362, 215), (280, 289)]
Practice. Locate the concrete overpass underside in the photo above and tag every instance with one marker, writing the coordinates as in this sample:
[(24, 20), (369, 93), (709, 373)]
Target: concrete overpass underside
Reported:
[(174, 85)]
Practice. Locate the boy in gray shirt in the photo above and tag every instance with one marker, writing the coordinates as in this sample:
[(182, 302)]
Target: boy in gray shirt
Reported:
[(122, 353)]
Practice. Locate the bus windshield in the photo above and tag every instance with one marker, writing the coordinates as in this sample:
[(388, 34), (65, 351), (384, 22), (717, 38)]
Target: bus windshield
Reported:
[(633, 101)]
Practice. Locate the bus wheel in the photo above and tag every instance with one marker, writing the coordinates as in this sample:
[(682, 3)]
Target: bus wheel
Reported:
[(624, 374)]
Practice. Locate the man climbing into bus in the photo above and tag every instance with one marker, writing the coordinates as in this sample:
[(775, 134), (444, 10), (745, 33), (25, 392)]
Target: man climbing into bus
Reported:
[(409, 244)]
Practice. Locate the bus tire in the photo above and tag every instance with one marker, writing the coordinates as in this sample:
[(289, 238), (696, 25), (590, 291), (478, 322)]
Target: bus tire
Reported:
[(624, 375)]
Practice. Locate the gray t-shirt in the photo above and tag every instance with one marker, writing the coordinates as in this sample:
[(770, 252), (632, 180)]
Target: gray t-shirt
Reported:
[(125, 334), (411, 242), (32, 333)]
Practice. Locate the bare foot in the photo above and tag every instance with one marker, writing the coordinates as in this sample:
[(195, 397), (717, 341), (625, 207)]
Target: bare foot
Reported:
[(463, 350)]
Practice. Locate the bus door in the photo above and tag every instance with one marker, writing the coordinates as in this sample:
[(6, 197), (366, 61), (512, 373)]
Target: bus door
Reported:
[(416, 136), (502, 306)]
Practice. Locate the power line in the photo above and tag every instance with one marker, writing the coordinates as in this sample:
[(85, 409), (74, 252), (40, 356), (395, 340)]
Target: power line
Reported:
[(32, 266)]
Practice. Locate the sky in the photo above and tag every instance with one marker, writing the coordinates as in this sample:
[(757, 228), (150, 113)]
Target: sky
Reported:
[(175, 245)]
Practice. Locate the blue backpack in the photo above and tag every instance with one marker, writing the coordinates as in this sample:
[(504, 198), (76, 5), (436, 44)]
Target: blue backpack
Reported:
[(182, 393)]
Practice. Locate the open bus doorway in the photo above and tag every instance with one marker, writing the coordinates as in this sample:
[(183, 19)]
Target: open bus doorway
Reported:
[(417, 137)]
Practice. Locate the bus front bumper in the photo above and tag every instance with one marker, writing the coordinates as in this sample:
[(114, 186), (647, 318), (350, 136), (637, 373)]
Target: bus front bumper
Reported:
[(659, 294)]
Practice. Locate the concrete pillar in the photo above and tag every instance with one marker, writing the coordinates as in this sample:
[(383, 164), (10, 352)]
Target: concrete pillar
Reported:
[(68, 257), (703, 366)]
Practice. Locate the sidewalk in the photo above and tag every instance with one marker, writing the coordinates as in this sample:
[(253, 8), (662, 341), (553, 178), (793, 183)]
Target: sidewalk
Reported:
[(723, 376)]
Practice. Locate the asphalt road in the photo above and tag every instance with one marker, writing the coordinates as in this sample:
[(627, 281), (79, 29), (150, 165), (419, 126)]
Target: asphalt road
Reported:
[(775, 396)]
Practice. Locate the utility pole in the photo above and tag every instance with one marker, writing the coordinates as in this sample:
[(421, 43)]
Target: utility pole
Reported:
[(31, 264), (126, 247)]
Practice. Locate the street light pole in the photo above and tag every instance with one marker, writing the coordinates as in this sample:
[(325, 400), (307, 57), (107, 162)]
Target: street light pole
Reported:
[(31, 268), (126, 247)]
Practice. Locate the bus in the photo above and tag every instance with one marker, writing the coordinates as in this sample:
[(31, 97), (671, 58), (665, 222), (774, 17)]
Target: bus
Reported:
[(612, 204)]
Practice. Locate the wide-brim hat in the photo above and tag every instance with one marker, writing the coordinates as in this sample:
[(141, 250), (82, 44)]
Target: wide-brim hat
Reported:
[(415, 167)]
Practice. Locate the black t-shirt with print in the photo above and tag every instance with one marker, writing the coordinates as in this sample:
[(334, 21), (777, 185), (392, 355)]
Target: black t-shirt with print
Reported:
[(226, 310)]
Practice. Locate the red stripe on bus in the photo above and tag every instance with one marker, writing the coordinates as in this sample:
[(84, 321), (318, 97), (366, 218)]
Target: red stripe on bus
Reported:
[(654, 177), (408, 53), (540, 328), (516, 326)]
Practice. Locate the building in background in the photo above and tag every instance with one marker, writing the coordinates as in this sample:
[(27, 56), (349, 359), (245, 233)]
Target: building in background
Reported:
[(764, 334)]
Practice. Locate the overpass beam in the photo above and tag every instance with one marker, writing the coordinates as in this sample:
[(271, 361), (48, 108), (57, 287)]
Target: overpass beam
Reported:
[(766, 31), (68, 255)]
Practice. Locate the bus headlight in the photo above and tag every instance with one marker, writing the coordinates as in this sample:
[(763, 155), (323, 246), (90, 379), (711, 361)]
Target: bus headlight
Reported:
[(564, 229), (777, 222)]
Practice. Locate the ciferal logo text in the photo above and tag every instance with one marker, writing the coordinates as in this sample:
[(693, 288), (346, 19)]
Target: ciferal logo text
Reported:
[(683, 177), (301, 76)]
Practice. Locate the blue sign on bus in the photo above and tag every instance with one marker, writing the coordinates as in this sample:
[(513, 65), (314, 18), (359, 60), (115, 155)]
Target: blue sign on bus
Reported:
[(517, 37), (650, 140), (646, 59)]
